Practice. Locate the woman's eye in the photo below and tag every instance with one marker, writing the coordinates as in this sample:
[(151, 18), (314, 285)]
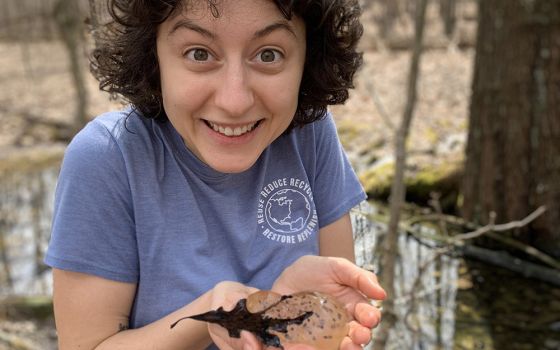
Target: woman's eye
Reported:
[(199, 55), (269, 56)]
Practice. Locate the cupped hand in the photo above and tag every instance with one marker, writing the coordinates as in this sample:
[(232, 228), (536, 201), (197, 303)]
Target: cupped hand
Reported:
[(226, 295), (342, 279)]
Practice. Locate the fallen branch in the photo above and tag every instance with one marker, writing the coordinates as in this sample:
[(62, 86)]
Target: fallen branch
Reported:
[(497, 258), (491, 230), (509, 262), (35, 119), (491, 227), (379, 106)]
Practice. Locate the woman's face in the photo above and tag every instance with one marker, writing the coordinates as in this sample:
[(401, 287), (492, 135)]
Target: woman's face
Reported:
[(230, 83)]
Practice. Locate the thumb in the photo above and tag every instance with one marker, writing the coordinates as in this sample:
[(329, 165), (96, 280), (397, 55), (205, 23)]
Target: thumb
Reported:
[(348, 273), (249, 341)]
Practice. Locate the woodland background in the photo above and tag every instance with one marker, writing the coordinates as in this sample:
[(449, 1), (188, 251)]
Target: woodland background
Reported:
[(454, 122)]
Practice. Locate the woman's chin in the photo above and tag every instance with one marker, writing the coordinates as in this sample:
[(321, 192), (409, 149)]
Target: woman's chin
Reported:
[(231, 166)]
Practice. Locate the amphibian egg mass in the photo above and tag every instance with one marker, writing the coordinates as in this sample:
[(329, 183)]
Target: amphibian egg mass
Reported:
[(310, 318)]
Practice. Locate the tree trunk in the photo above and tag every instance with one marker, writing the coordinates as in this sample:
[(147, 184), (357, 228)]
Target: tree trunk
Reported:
[(447, 11), (389, 18), (398, 190), (68, 19), (513, 151)]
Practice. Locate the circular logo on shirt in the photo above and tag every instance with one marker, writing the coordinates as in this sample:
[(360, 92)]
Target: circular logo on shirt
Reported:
[(286, 213)]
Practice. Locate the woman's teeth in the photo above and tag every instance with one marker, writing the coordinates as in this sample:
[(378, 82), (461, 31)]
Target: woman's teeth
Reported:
[(228, 131)]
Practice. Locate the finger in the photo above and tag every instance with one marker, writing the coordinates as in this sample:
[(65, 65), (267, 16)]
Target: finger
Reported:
[(367, 315), (368, 284), (249, 341), (355, 277), (359, 334), (220, 337), (348, 344), (352, 298), (227, 294)]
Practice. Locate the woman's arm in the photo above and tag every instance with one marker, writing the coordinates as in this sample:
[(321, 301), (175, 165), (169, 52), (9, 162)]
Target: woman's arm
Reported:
[(93, 312), (336, 239)]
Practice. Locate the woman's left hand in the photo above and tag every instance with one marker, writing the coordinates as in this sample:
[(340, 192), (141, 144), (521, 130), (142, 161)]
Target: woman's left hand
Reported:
[(342, 279)]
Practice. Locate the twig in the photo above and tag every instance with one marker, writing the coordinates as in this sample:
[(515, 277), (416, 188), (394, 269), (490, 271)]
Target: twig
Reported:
[(502, 227), (436, 204), (379, 106), (490, 232)]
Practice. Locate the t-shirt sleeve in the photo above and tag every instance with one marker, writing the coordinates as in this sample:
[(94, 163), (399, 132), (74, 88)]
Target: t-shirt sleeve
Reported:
[(337, 188), (93, 228)]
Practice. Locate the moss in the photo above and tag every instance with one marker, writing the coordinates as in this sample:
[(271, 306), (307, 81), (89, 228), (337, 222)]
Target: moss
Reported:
[(443, 179), (377, 180), (22, 160), (431, 135), (14, 342), (33, 307), (349, 131)]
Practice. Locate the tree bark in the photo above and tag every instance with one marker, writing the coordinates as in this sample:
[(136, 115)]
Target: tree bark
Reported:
[(447, 10), (398, 190), (68, 19), (389, 18), (513, 150)]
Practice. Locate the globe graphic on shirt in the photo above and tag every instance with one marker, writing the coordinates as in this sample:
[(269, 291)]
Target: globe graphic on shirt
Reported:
[(287, 211)]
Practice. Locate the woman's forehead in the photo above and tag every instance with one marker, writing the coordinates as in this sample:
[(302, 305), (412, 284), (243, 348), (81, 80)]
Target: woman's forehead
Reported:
[(219, 8), (234, 13)]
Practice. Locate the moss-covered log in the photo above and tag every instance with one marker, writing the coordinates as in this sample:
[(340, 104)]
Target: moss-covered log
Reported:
[(444, 178), (26, 308)]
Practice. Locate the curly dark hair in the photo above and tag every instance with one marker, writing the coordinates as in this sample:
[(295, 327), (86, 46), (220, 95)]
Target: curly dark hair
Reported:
[(125, 60)]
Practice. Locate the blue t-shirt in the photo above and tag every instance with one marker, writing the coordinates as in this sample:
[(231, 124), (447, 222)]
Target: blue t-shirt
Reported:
[(133, 204)]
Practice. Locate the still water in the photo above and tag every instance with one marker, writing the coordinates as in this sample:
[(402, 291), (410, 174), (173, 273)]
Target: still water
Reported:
[(25, 214), (425, 286)]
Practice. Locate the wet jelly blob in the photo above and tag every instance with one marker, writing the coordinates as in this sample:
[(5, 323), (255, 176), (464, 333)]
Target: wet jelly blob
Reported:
[(310, 318)]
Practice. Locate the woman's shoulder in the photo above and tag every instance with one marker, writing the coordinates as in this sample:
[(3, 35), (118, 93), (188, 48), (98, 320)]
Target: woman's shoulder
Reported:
[(115, 127), (317, 132), (116, 124), (103, 139), (323, 125)]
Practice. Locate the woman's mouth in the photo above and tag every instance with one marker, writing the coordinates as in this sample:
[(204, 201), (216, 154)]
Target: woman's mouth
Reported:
[(233, 131)]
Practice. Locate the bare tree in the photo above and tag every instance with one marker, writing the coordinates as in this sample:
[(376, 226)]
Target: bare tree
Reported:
[(398, 191), (68, 19), (447, 10), (388, 19)]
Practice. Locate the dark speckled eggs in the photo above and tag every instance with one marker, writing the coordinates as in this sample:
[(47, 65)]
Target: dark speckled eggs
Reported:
[(324, 329), (309, 318)]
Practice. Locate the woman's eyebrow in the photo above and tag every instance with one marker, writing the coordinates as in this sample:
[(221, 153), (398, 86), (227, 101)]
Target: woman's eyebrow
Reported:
[(187, 24), (280, 25)]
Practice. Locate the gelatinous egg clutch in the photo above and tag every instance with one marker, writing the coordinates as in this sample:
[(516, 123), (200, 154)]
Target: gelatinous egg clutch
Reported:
[(310, 318)]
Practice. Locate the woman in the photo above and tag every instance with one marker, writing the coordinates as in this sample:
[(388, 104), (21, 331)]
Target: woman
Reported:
[(223, 177)]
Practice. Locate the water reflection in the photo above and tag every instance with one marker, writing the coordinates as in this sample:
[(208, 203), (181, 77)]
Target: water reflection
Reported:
[(25, 217), (425, 285)]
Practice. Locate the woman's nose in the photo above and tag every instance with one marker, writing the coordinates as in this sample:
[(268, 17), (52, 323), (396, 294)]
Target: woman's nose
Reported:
[(234, 93)]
